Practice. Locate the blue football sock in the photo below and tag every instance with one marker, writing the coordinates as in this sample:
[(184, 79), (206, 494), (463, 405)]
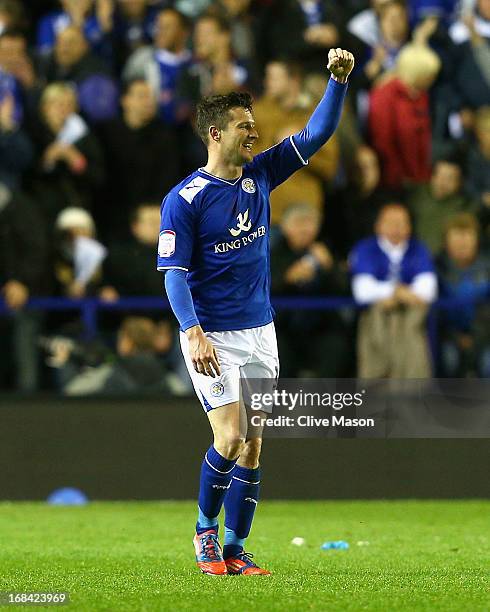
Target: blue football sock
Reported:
[(216, 474), (240, 503)]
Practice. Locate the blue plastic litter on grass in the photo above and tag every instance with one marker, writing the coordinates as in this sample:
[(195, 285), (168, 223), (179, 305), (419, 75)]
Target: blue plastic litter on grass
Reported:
[(338, 545), (67, 496)]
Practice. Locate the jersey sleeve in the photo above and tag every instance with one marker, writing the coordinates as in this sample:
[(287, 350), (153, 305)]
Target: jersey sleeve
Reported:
[(176, 238), (279, 162)]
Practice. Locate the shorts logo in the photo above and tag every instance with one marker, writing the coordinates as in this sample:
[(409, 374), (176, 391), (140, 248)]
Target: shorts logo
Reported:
[(166, 243), (248, 185), (217, 389)]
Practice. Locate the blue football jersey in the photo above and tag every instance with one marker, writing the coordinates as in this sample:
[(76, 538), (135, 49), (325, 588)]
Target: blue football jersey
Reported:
[(218, 231)]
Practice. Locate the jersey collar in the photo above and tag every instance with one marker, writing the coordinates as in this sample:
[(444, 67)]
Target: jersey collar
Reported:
[(217, 178)]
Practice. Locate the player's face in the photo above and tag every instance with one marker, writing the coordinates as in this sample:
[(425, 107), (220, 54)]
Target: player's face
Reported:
[(238, 138)]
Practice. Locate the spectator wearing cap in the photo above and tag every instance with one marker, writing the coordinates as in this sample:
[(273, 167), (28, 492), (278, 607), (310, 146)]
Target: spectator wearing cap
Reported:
[(464, 274), (78, 255), (73, 62), (433, 203), (70, 167), (399, 118), (393, 279)]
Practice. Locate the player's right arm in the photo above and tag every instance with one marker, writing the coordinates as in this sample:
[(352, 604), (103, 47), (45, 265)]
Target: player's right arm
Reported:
[(175, 245)]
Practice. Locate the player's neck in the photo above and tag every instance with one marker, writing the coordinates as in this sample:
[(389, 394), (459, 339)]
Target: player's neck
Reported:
[(223, 170)]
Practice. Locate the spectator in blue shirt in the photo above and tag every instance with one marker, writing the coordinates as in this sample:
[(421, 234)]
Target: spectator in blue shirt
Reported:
[(393, 277), (77, 13)]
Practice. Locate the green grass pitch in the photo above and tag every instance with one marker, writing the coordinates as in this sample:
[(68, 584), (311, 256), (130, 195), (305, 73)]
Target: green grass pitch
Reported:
[(422, 555)]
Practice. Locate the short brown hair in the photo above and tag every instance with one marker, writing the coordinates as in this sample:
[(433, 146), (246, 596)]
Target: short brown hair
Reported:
[(463, 221), (215, 110)]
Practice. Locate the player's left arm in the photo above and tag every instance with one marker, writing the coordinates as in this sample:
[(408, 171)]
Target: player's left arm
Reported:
[(325, 118)]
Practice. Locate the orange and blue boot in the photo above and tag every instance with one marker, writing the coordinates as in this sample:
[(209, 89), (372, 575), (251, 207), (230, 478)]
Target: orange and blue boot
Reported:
[(242, 564), (209, 557)]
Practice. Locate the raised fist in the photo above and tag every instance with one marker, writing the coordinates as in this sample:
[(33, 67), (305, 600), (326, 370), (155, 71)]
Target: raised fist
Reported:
[(340, 64)]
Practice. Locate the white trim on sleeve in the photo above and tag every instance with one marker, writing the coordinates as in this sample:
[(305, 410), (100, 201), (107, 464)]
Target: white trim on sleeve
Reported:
[(305, 163)]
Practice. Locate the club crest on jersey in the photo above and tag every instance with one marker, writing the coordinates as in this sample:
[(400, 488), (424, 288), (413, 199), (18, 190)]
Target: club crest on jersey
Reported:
[(166, 243), (217, 389), (248, 185), (244, 224)]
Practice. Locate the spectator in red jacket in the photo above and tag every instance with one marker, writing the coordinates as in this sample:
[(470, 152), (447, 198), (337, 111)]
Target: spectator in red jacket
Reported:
[(399, 120)]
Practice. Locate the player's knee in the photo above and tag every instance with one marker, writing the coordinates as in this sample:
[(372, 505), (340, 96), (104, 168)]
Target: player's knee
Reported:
[(229, 444), (250, 454)]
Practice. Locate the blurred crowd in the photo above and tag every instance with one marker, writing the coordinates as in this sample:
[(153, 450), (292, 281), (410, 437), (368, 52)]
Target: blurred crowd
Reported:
[(97, 104)]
